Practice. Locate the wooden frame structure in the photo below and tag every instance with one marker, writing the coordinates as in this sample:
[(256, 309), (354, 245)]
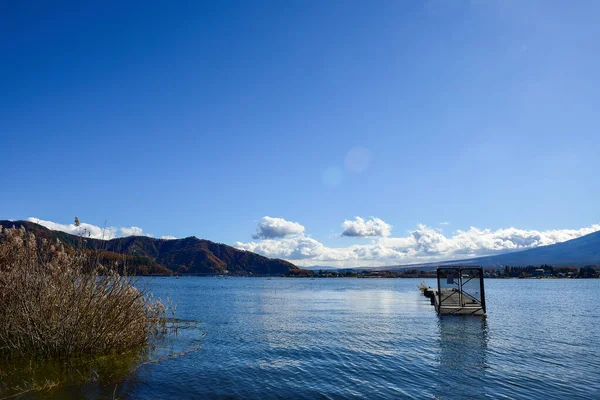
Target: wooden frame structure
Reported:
[(459, 294)]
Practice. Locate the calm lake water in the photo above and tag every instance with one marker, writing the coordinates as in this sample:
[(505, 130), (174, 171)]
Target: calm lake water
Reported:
[(371, 338)]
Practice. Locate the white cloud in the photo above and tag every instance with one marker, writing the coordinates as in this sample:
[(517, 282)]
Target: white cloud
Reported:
[(168, 237), (423, 244), (445, 223), (271, 228), (304, 250), (373, 227), (133, 231), (296, 248), (89, 230)]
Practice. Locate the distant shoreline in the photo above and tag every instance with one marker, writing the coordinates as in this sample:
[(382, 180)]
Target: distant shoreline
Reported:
[(346, 277)]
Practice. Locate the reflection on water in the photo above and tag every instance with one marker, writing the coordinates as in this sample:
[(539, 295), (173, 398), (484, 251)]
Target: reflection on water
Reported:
[(78, 380), (462, 355), (111, 376)]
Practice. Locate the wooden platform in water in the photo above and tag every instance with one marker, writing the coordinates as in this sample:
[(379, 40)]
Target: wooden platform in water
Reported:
[(452, 302)]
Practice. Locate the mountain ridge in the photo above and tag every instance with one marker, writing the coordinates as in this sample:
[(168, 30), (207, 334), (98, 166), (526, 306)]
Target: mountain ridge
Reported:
[(189, 255)]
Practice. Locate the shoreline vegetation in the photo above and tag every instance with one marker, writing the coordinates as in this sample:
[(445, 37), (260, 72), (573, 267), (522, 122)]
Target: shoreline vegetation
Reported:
[(507, 272), (537, 272), (63, 310), (529, 272), (60, 303)]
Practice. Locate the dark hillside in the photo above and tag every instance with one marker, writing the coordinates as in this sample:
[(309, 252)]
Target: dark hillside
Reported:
[(189, 255)]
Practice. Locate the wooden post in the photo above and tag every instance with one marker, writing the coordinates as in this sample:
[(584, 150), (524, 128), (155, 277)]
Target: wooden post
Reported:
[(482, 290), (439, 303)]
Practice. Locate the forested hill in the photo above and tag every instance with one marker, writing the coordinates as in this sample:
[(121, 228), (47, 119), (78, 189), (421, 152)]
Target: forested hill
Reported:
[(189, 255)]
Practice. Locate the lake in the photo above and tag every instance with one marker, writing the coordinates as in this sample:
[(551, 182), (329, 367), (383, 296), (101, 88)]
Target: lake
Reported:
[(370, 338)]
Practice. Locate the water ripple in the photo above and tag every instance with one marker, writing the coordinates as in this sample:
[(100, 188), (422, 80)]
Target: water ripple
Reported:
[(353, 338)]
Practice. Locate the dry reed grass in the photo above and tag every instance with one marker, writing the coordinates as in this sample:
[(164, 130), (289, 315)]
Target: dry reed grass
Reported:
[(57, 303)]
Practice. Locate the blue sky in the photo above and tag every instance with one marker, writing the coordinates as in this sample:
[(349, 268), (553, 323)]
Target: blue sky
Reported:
[(204, 118)]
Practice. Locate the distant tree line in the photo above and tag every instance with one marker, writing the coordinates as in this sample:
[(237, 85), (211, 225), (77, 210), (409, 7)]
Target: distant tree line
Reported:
[(348, 273), (530, 271), (544, 270)]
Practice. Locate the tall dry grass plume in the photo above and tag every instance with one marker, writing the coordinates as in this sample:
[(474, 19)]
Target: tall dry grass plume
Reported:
[(60, 303)]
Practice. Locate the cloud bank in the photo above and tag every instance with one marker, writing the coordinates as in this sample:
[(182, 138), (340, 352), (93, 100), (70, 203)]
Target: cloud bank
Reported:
[(424, 244), (270, 228), (374, 227), (92, 231), (133, 231), (277, 237)]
